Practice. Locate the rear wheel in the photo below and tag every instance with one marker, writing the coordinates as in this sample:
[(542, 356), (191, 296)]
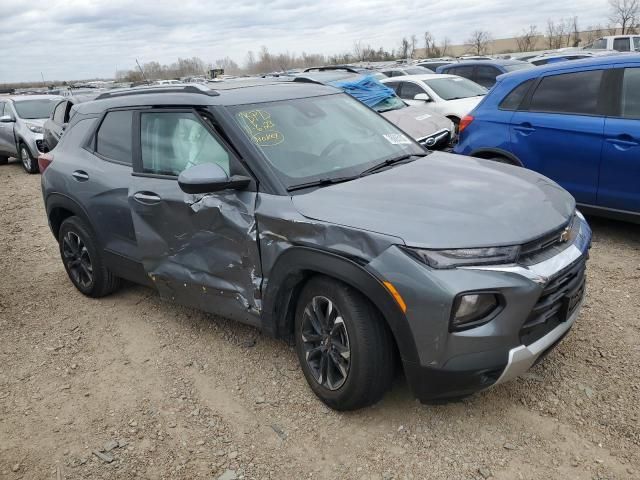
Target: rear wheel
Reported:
[(343, 345), (29, 163), (83, 261)]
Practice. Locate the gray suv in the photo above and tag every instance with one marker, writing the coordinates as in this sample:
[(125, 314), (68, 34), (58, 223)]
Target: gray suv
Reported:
[(294, 208), (21, 126)]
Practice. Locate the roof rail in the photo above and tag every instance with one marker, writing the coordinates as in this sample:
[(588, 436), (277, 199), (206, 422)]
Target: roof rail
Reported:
[(159, 89), (327, 68)]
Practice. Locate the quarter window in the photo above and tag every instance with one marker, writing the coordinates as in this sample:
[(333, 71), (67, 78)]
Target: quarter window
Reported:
[(636, 43), (1, 109), (113, 140), (174, 141), (631, 93), (58, 113), (568, 93), (622, 44), (409, 90), (515, 98)]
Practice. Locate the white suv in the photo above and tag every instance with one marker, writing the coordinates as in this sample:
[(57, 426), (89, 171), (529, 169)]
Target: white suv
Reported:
[(620, 43)]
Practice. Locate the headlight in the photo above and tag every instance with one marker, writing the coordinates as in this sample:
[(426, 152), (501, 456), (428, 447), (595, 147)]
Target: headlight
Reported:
[(35, 128), (472, 310), (461, 257)]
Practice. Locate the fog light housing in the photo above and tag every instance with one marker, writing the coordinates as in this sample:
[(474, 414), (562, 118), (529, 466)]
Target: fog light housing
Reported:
[(471, 310)]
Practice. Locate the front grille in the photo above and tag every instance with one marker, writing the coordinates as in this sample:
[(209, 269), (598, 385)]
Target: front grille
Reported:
[(558, 300), (437, 141), (549, 244)]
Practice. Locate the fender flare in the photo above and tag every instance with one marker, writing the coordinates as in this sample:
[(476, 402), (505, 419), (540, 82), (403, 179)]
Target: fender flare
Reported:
[(59, 200), (297, 264), (482, 152)]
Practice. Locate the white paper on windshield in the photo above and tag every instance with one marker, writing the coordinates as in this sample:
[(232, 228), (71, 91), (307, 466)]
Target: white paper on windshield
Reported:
[(397, 139), (423, 117)]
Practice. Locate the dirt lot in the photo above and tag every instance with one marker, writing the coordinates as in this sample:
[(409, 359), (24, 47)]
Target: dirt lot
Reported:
[(168, 392)]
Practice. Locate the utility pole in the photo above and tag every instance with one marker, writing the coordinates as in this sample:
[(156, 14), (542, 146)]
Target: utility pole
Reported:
[(42, 75), (142, 71)]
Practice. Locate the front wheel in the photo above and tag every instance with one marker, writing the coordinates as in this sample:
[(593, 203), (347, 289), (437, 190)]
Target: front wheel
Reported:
[(29, 163), (83, 261), (343, 345)]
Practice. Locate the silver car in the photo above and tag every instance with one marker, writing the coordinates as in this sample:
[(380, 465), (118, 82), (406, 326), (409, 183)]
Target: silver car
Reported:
[(21, 126)]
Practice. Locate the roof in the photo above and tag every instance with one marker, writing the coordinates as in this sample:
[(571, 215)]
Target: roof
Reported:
[(18, 98), (604, 60), (422, 77), (222, 93), (327, 76), (497, 62)]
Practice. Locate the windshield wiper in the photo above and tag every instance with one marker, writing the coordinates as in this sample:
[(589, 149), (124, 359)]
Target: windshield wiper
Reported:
[(320, 183), (389, 162)]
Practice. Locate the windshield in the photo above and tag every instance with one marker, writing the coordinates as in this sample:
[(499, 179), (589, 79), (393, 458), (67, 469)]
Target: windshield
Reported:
[(320, 138), (388, 104), (517, 66), (31, 109), (453, 88)]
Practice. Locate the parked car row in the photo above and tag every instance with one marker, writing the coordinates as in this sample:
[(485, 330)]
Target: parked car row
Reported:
[(294, 206)]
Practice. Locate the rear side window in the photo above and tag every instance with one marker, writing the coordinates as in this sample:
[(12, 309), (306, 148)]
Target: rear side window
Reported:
[(113, 139), (466, 72), (486, 76), (631, 93), (636, 43), (622, 44), (516, 96), (568, 93)]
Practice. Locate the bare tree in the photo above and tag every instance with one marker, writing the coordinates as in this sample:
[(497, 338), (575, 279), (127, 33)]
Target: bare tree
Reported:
[(404, 48), (624, 13), (479, 42), (428, 44), (556, 33), (413, 43), (576, 32), (528, 39), (444, 47), (593, 33)]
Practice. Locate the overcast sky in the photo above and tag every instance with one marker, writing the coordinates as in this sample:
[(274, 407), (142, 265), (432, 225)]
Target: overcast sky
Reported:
[(76, 39)]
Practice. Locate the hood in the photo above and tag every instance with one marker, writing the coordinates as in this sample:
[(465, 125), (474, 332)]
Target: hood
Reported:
[(36, 121), (418, 121), (463, 106), (445, 201)]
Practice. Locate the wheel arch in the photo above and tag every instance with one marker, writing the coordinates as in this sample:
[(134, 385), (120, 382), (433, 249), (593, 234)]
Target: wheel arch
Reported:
[(489, 153), (297, 265), (60, 207)]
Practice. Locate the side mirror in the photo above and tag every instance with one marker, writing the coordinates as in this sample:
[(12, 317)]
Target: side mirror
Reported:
[(209, 178), (7, 119), (422, 96)]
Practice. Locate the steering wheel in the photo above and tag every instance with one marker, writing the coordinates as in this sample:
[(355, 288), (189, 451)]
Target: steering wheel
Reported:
[(332, 146)]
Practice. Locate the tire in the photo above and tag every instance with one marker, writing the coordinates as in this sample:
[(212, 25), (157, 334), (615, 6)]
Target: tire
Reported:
[(4, 160), (29, 163), (361, 343), (83, 260)]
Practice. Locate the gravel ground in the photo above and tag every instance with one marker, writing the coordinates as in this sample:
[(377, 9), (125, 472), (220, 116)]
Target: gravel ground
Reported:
[(132, 387)]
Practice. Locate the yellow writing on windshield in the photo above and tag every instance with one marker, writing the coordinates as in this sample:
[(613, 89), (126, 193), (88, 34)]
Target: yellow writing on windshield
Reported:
[(260, 127)]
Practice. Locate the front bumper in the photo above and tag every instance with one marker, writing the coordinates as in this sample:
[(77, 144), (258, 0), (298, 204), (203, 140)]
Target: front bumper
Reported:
[(453, 364)]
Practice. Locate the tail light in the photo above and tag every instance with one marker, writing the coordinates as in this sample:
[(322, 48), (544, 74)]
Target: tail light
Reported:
[(44, 160), (465, 122)]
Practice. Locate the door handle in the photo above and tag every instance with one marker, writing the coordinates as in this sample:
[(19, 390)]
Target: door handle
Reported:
[(623, 142), (524, 128), (147, 198), (80, 175)]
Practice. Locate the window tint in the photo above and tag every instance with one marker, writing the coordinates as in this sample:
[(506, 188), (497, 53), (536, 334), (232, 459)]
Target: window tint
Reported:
[(410, 90), (466, 72), (114, 137), (568, 93), (515, 98), (636, 43), (175, 141), (58, 113), (631, 93), (600, 44), (622, 44), (1, 109), (486, 76)]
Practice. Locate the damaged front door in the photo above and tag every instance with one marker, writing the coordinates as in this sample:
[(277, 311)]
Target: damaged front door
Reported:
[(199, 250)]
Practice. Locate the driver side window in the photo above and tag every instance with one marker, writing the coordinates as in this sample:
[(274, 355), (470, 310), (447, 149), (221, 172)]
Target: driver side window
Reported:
[(174, 141), (410, 90)]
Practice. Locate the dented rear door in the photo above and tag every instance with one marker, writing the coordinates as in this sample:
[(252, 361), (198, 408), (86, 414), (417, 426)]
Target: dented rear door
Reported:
[(199, 250)]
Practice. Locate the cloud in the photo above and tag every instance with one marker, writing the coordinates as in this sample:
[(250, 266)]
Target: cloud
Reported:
[(74, 39)]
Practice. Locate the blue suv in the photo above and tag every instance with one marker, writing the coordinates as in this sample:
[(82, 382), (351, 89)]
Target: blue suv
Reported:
[(576, 122)]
